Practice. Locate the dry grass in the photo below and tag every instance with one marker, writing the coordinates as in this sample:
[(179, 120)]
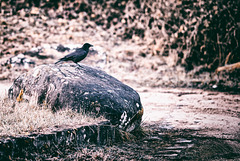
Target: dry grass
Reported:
[(26, 118)]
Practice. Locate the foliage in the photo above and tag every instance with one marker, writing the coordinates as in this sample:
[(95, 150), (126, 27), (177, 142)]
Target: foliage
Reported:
[(217, 40)]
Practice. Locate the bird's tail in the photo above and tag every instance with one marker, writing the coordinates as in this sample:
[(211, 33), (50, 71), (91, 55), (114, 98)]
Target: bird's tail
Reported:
[(62, 59), (58, 61)]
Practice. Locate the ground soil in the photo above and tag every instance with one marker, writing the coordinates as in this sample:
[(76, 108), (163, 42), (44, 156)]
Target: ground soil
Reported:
[(178, 123)]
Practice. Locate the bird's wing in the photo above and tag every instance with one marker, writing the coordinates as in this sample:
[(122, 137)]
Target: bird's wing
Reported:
[(78, 52)]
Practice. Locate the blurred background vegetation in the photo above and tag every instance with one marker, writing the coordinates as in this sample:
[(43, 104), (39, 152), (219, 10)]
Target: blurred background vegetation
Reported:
[(200, 35)]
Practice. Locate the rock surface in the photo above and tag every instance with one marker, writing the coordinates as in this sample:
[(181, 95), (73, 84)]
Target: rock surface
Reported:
[(80, 88), (22, 146)]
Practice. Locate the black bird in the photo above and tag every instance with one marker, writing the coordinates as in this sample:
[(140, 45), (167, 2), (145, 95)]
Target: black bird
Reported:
[(78, 55)]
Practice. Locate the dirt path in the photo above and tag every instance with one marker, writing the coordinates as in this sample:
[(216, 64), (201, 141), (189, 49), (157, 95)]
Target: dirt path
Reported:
[(192, 123), (212, 114), (4, 86)]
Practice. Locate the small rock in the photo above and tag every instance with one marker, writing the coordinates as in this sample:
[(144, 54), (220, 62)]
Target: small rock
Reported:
[(34, 11), (62, 48)]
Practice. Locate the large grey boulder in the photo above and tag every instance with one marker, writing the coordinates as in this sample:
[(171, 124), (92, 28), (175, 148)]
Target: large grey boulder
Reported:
[(80, 88)]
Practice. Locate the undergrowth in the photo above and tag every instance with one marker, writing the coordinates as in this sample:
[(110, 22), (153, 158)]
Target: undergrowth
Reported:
[(26, 118)]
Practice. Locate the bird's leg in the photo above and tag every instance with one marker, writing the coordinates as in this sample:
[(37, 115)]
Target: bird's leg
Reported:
[(79, 65)]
